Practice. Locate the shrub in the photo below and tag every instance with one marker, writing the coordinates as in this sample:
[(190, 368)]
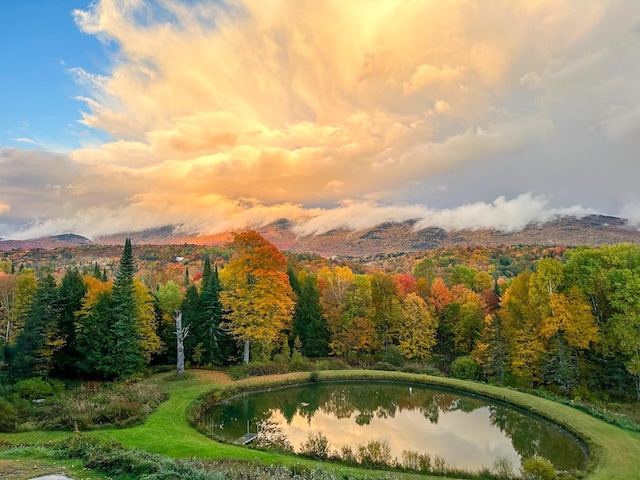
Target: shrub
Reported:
[(315, 446), (314, 377), (376, 453), (538, 468), (465, 368), (420, 462), (503, 467), (8, 416), (384, 366), (33, 388), (393, 356)]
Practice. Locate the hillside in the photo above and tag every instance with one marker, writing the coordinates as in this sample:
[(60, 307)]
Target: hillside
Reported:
[(592, 230)]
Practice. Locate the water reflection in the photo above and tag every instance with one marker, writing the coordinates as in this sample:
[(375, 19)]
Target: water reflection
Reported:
[(467, 431)]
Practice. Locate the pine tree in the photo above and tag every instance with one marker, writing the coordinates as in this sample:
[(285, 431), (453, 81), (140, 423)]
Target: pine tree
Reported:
[(127, 348), (218, 345), (71, 292), (39, 339), (308, 324), (96, 338)]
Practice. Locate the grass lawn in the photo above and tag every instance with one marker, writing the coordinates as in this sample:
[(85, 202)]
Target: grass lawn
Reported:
[(167, 432)]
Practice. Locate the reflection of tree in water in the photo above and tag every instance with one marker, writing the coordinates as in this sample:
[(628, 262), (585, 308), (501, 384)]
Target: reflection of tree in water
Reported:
[(531, 436), (364, 402), (361, 401)]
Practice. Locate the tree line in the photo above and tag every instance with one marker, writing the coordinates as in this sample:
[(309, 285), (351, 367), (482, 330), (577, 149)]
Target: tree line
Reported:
[(572, 324)]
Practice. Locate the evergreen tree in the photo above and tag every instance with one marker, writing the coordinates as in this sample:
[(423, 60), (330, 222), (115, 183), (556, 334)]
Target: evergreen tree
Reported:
[(218, 346), (39, 339), (96, 271), (308, 324), (127, 347), (96, 339), (206, 274), (71, 292)]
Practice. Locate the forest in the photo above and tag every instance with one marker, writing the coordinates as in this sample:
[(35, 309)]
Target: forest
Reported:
[(563, 321)]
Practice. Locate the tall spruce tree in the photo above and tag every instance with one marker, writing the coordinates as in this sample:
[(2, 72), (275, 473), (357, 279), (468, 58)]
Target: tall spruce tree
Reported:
[(71, 292), (127, 347), (308, 324), (40, 338), (96, 338)]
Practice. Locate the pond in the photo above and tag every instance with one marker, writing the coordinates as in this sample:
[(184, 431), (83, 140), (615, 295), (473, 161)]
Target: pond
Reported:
[(466, 431)]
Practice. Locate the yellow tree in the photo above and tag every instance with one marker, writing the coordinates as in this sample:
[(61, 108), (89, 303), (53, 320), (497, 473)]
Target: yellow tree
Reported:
[(522, 329), (146, 320), (7, 291), (257, 297), (25, 290), (470, 322), (416, 331)]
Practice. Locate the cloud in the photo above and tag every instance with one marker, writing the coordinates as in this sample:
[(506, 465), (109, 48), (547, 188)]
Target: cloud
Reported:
[(25, 140), (501, 214), (222, 115)]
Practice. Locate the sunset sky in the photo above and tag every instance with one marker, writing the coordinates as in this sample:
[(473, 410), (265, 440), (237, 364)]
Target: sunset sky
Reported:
[(121, 115)]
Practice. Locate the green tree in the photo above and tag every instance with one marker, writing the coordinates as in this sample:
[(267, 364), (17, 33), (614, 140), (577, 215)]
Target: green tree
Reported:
[(95, 334), (170, 300), (128, 347), (308, 324), (71, 292), (40, 338), (386, 306)]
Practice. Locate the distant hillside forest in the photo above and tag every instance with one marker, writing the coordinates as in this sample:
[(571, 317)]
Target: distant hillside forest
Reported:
[(566, 320)]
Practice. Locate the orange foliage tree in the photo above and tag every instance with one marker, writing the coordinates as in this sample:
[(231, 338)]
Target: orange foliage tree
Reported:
[(256, 296)]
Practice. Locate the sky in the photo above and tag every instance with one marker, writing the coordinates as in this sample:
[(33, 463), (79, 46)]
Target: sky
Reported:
[(123, 115)]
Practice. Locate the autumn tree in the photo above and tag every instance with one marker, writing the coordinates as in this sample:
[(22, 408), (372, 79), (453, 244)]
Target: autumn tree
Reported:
[(170, 300), (386, 304), (257, 296), (416, 329), (147, 327), (521, 324), (7, 308), (492, 349), (25, 288), (468, 325), (356, 331)]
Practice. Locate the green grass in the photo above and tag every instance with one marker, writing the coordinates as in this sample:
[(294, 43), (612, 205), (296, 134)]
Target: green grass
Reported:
[(615, 452)]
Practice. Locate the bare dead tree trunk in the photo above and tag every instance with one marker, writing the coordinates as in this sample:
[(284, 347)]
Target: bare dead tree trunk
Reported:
[(181, 334), (246, 351)]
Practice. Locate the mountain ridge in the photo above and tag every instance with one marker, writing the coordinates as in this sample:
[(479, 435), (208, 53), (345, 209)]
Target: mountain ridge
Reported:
[(387, 237)]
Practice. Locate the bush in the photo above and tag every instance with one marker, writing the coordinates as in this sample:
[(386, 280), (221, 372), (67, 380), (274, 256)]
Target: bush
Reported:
[(538, 468), (393, 356), (315, 446), (8, 416), (33, 388), (420, 462), (465, 368), (503, 467), (384, 366), (376, 453)]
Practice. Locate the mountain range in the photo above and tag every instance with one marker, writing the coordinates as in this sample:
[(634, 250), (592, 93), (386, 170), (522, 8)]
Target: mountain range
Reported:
[(592, 230)]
